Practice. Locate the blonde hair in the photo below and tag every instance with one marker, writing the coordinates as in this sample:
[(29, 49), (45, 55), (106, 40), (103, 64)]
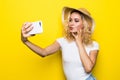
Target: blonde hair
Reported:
[(86, 32)]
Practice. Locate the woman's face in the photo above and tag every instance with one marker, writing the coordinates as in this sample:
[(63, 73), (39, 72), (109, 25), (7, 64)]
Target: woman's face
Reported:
[(75, 22)]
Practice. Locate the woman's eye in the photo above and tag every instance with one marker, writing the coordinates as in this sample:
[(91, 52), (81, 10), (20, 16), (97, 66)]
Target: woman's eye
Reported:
[(76, 20)]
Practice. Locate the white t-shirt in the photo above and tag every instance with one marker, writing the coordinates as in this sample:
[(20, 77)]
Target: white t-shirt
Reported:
[(72, 64)]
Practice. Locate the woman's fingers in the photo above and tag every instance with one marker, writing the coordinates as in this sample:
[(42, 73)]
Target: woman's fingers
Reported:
[(27, 27), (77, 34), (74, 33)]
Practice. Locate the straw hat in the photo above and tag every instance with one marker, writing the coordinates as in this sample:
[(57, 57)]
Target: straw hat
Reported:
[(67, 10)]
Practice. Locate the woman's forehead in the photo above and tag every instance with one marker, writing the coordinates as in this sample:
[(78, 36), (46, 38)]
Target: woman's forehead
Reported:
[(75, 15)]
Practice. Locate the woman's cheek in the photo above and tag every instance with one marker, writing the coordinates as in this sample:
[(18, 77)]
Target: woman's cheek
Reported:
[(80, 27)]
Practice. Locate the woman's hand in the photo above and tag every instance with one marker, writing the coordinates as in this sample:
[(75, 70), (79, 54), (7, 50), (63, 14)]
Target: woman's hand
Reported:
[(78, 35), (26, 28)]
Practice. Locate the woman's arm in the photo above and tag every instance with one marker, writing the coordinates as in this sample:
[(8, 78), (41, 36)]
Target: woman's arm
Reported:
[(43, 51), (88, 61), (40, 51)]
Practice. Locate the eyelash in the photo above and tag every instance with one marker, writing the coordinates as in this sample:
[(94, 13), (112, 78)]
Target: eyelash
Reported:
[(75, 20)]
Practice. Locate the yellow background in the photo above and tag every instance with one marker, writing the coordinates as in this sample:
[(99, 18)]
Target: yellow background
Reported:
[(17, 62)]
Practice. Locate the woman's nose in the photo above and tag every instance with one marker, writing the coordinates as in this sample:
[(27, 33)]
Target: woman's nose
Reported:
[(71, 23)]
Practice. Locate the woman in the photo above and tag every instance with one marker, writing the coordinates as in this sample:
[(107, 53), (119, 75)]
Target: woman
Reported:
[(79, 51)]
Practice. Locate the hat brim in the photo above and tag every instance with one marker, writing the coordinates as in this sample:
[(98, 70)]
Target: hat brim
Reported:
[(67, 10)]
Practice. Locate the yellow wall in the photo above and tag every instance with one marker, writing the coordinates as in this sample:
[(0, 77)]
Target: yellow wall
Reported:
[(17, 62)]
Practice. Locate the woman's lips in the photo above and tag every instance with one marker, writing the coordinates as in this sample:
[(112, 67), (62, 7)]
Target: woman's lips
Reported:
[(71, 28)]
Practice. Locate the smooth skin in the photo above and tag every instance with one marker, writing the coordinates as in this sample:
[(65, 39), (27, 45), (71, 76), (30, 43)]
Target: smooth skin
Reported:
[(75, 26)]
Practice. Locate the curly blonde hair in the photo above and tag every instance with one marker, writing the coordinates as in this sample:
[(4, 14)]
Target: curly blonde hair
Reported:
[(86, 32)]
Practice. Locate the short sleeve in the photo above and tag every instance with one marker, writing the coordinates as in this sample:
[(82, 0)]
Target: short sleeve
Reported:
[(95, 46), (60, 41)]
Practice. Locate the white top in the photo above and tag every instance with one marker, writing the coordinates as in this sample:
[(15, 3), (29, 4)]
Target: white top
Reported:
[(72, 64)]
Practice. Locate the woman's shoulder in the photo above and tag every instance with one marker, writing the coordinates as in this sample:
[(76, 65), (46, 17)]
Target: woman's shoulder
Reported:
[(61, 39), (93, 46), (95, 43)]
